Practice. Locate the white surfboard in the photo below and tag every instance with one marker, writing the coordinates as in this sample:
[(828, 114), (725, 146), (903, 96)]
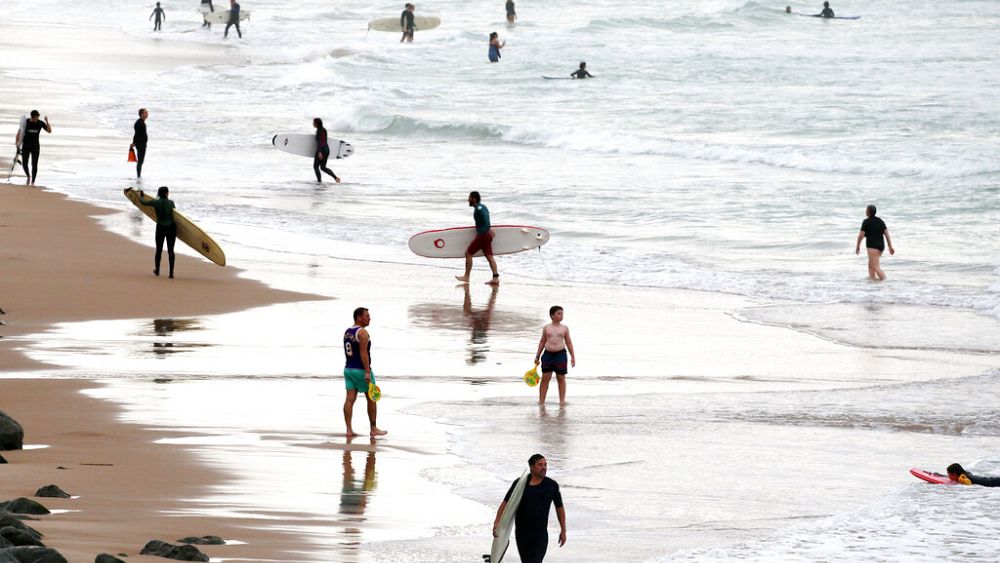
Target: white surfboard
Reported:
[(451, 243), (17, 147), (421, 23), (221, 16), (205, 9), (502, 540), (305, 145)]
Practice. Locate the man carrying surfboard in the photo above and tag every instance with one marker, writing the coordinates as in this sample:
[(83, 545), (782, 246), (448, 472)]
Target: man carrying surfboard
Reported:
[(406, 22), (531, 519), (234, 19), (483, 240), (358, 370), (166, 228), (30, 145)]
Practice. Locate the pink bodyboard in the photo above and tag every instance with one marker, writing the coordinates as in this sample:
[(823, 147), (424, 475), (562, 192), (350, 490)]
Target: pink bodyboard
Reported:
[(932, 477)]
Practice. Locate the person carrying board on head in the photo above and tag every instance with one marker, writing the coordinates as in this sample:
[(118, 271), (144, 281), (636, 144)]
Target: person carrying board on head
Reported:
[(581, 72), (407, 24), (483, 240), (234, 19), (531, 521)]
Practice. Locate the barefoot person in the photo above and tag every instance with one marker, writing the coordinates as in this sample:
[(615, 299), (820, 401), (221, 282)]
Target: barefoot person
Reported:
[(511, 12), (551, 353), (139, 141), (210, 9), (234, 19), (407, 24), (160, 16), (495, 46), (531, 522), (483, 240), (30, 145), (322, 152), (872, 230), (166, 229), (358, 370)]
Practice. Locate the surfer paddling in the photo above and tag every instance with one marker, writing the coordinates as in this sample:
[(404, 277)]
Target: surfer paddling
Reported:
[(958, 473), (581, 72), (483, 240), (872, 230), (358, 373), (531, 521), (166, 228), (551, 353)]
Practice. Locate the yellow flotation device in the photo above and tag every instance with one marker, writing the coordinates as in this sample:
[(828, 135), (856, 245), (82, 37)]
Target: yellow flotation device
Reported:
[(963, 479)]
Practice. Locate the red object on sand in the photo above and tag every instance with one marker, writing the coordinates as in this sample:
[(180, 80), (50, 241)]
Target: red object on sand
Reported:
[(131, 155), (932, 477)]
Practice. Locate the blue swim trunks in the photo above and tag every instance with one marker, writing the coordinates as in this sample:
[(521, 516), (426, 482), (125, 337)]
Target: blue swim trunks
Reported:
[(355, 379), (554, 362)]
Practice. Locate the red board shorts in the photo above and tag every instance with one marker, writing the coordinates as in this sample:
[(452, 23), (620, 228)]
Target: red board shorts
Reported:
[(482, 242)]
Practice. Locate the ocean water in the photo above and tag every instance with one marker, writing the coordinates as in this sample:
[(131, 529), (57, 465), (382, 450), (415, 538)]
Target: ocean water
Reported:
[(724, 146)]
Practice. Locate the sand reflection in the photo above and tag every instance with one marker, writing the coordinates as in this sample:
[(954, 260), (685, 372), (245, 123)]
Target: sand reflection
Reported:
[(354, 496)]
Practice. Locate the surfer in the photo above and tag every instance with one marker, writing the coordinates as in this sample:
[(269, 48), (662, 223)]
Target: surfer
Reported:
[(581, 72), (511, 14), (827, 12), (166, 228), (495, 46), (406, 23), (160, 16), (788, 9), (957, 473), (872, 230), (322, 152), (531, 520), (234, 19), (211, 9), (551, 353), (139, 140), (30, 145), (483, 240), (358, 370)]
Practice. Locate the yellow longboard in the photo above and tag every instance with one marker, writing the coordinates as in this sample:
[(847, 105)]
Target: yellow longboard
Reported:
[(189, 233)]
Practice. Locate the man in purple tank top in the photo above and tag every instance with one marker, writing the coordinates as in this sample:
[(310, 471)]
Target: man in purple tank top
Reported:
[(358, 370)]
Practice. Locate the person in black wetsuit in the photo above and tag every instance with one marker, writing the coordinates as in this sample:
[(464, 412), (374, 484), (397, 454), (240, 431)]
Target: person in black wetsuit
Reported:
[(166, 228), (957, 473), (30, 145), (234, 19), (827, 12), (407, 24), (211, 8), (531, 521), (139, 140), (322, 152), (511, 14), (581, 72), (872, 230), (160, 16)]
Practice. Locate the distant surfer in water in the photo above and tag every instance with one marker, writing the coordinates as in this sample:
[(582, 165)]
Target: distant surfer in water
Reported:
[(788, 9), (358, 370), (322, 152), (581, 72), (234, 19), (872, 230), (30, 145), (139, 141), (531, 521), (957, 473), (160, 16), (166, 228), (483, 240), (551, 353), (407, 24), (211, 9), (495, 46), (511, 13), (827, 12)]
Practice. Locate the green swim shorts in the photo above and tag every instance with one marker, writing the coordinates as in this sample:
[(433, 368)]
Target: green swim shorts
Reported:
[(355, 379)]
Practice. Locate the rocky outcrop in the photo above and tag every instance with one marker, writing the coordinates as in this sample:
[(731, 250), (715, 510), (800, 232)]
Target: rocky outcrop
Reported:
[(170, 551), (11, 433), (107, 558), (8, 519), (203, 540), (17, 537), (23, 506), (51, 491), (31, 555)]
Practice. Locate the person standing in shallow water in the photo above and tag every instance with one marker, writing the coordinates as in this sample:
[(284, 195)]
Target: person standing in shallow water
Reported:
[(166, 228), (322, 152), (531, 521), (211, 9), (160, 16), (139, 141), (483, 240), (872, 230), (407, 24), (551, 353), (495, 46), (234, 19), (358, 370), (511, 13)]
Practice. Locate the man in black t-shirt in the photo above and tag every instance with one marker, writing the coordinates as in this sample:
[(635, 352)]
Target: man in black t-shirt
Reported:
[(30, 146), (531, 521), (873, 230), (407, 23), (139, 141)]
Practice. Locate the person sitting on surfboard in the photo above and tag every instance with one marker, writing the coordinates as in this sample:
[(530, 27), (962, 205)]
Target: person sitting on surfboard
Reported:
[(957, 473), (495, 46), (531, 521), (322, 152), (581, 72), (166, 228), (406, 22), (483, 240), (827, 12)]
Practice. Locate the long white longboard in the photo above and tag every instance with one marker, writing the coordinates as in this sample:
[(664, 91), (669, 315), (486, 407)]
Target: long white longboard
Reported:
[(305, 145), (222, 16), (502, 540), (392, 24), (452, 243)]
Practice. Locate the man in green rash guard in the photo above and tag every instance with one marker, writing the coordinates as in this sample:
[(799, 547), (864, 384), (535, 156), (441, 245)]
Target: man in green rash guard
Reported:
[(166, 229)]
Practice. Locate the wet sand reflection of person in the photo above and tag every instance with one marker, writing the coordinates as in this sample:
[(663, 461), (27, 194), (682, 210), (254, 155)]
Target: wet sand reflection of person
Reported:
[(479, 322), (354, 494)]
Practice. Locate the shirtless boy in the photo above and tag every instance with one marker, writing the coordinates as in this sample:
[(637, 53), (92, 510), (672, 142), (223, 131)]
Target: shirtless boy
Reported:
[(552, 354)]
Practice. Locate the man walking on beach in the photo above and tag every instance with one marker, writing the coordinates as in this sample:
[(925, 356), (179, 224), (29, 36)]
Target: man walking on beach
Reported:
[(139, 140), (160, 16), (30, 145), (406, 22), (358, 370), (551, 352), (483, 240), (531, 521), (234, 19)]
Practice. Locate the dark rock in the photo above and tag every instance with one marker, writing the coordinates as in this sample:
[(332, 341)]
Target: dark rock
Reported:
[(19, 537), (32, 555), (51, 491), (8, 519), (6, 557), (203, 540), (107, 558), (2, 460), (24, 506), (11, 433), (4, 543), (178, 552)]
